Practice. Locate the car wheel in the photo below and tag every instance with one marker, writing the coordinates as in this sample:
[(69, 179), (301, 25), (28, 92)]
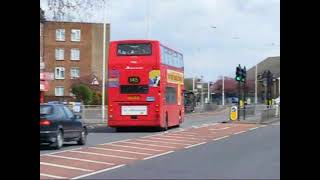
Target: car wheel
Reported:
[(83, 137), (59, 140)]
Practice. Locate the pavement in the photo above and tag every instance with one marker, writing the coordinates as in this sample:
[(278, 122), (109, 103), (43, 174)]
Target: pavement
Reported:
[(194, 147)]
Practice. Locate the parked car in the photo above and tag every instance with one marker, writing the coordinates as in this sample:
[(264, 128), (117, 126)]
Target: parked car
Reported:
[(58, 124)]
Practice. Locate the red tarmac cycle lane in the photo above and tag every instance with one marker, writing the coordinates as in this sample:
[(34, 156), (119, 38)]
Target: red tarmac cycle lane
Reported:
[(83, 162)]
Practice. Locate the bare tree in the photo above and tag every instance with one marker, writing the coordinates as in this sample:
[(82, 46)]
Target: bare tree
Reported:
[(80, 10)]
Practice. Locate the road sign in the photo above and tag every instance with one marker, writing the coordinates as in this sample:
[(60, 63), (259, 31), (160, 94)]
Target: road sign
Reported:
[(234, 113)]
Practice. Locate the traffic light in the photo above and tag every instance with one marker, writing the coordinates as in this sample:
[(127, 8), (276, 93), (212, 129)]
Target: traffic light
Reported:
[(244, 74), (238, 73)]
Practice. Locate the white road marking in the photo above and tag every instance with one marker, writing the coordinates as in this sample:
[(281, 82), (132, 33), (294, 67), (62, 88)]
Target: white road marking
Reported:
[(134, 147), (239, 132), (108, 149), (100, 171), (66, 167), (157, 141), (171, 140), (115, 142), (150, 145), (154, 135), (195, 145), (52, 176), (253, 128), (158, 155), (60, 151), (99, 154), (179, 136), (217, 129), (195, 127), (220, 138), (189, 133), (78, 159)]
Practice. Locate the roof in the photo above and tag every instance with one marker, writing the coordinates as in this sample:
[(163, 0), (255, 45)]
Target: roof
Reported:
[(270, 63)]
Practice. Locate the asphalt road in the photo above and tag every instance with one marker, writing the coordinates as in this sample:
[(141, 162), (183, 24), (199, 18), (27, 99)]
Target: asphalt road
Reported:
[(250, 155), (105, 134)]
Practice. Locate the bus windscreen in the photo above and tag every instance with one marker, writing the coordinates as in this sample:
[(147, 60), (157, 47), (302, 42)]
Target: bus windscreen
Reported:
[(134, 49)]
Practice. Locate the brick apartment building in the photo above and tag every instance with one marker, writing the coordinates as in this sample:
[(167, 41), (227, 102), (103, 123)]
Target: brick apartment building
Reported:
[(73, 51), (43, 80)]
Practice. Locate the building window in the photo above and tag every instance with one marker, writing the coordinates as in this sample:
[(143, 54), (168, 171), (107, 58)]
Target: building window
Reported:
[(60, 35), (59, 54), (75, 54), (75, 72), (59, 91), (59, 73), (75, 34)]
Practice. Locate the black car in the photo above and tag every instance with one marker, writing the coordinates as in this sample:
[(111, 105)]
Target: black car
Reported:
[(58, 124)]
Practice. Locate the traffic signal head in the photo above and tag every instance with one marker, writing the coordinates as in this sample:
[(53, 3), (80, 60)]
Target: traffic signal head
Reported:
[(244, 74), (238, 73)]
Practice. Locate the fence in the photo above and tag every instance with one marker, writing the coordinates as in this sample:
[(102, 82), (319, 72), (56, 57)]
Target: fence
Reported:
[(91, 114)]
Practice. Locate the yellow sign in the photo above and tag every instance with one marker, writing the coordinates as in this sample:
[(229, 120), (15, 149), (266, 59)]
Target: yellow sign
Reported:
[(133, 97), (234, 113), (241, 103), (174, 77), (154, 78)]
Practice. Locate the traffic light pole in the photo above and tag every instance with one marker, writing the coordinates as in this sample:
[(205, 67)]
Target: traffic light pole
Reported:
[(244, 100), (239, 96)]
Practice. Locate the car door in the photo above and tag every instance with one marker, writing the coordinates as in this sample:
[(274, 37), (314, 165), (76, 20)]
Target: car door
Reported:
[(66, 122), (76, 125)]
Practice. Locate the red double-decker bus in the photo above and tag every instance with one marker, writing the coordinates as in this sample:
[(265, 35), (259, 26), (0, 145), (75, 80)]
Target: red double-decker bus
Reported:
[(145, 85)]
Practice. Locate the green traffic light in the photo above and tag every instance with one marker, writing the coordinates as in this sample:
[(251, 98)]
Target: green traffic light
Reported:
[(238, 78)]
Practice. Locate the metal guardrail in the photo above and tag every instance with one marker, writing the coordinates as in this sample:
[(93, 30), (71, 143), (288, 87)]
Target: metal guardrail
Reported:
[(91, 114), (258, 113)]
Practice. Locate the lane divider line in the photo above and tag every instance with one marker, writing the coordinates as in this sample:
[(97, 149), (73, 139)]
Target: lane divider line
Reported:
[(195, 145), (65, 167), (158, 155), (239, 132), (79, 159), (108, 149), (99, 154), (220, 138), (100, 171), (253, 128), (52, 176)]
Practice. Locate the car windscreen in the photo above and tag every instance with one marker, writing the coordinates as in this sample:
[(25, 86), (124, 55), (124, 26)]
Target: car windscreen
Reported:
[(46, 110), (134, 49)]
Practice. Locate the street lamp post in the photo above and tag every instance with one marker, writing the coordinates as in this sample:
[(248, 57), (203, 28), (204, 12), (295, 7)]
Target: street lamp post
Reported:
[(256, 86), (222, 90)]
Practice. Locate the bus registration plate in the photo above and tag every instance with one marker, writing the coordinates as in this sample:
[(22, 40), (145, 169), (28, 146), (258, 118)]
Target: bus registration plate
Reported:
[(133, 110)]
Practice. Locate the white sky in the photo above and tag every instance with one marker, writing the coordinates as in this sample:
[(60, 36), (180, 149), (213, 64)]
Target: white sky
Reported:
[(247, 31)]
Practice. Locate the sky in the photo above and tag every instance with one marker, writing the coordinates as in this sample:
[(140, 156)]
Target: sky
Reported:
[(214, 36)]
